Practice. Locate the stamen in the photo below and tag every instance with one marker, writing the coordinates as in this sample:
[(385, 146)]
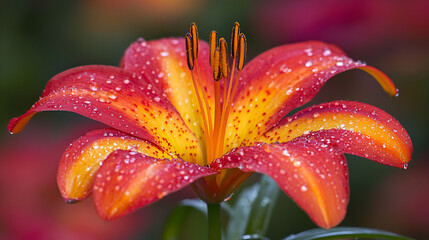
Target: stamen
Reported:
[(191, 42), (231, 92), (242, 52), (212, 43), (216, 65), (218, 112), (234, 39), (223, 57), (215, 129), (189, 55), (194, 35)]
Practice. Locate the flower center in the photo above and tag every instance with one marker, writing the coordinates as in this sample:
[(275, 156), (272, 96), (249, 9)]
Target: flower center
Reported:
[(226, 73)]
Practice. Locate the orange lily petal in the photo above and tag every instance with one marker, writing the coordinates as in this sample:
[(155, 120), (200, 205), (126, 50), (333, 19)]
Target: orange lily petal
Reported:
[(164, 62), (84, 156), (315, 177), (357, 128), (128, 180), (121, 100), (283, 79)]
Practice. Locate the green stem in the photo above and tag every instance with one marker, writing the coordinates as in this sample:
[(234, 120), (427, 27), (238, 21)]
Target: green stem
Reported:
[(213, 211)]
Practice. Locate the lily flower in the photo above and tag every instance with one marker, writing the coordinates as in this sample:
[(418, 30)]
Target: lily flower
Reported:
[(195, 114)]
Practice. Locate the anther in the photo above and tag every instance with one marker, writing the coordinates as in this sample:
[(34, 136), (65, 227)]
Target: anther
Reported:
[(223, 57), (189, 55), (242, 52), (216, 66), (234, 39), (194, 35), (212, 43)]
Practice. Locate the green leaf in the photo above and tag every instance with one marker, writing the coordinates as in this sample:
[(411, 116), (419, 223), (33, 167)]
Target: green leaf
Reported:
[(263, 206), (240, 212), (252, 210), (345, 232), (176, 221)]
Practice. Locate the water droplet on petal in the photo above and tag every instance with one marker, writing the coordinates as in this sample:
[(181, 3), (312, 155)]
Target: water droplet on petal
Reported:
[(286, 153), (327, 52)]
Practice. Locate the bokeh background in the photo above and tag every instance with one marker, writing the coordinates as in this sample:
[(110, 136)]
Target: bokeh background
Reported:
[(39, 39)]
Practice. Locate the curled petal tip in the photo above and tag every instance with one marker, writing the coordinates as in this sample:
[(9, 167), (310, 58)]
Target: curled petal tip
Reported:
[(397, 93), (385, 82), (17, 124)]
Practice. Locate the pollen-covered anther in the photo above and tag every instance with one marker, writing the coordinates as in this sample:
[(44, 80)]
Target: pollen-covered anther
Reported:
[(223, 57), (194, 35), (242, 49), (216, 64), (212, 43), (189, 55), (234, 39)]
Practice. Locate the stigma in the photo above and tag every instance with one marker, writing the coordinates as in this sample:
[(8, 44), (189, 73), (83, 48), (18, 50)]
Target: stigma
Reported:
[(226, 67)]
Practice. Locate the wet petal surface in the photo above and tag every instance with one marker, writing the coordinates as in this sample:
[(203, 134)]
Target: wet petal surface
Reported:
[(355, 127), (315, 177), (121, 100), (128, 180), (164, 63), (82, 159), (282, 79)]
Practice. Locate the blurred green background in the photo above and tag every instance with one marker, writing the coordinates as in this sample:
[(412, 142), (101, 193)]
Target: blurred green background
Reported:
[(39, 39)]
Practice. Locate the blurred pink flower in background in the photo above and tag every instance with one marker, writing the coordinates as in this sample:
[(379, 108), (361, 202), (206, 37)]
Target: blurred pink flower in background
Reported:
[(31, 206), (351, 23), (385, 31)]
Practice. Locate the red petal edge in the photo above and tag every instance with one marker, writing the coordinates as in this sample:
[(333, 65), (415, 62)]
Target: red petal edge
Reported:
[(313, 175), (84, 156), (282, 79), (354, 127), (121, 100), (128, 180)]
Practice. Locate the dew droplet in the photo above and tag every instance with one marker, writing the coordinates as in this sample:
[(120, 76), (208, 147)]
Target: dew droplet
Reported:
[(304, 188), (327, 52), (286, 153)]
